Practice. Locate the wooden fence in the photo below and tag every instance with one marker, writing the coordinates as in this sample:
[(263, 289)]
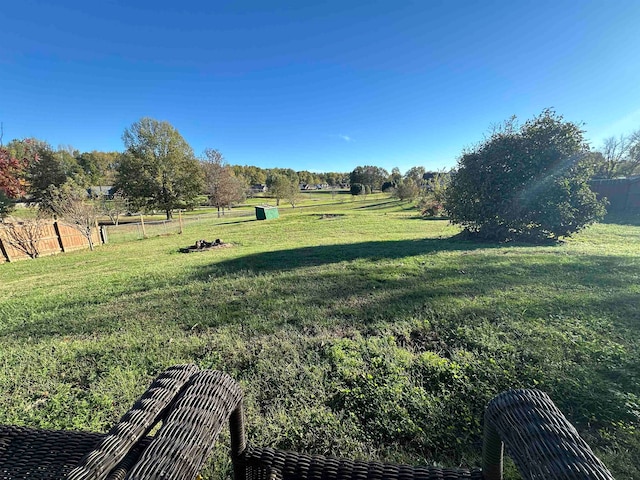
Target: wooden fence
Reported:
[(622, 193), (47, 238)]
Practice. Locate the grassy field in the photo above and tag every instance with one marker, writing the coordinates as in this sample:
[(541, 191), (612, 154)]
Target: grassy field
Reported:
[(356, 329)]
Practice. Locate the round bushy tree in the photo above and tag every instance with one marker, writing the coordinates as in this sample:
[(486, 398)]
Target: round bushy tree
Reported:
[(357, 189), (527, 182), (387, 186)]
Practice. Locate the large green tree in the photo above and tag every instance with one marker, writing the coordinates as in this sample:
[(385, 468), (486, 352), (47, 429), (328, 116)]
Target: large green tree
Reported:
[(369, 175), (279, 184), (99, 167), (47, 168), (527, 182), (158, 170)]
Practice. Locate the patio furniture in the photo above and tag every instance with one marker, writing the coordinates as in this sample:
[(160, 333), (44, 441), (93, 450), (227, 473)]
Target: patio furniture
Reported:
[(194, 405)]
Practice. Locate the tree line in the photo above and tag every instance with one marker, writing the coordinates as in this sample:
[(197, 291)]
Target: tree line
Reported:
[(158, 170)]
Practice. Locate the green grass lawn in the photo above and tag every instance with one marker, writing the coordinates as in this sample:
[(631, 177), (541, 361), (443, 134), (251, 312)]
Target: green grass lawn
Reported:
[(355, 328)]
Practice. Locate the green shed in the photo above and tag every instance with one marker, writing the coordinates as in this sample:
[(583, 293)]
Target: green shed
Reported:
[(266, 213)]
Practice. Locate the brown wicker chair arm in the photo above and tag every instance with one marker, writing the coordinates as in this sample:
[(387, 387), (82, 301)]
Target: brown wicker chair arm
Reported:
[(188, 434), (539, 439), (121, 442)]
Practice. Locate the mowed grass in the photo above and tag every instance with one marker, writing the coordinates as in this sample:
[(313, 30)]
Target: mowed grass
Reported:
[(355, 328)]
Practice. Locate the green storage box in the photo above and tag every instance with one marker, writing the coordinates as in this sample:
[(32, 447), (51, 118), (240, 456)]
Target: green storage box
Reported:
[(266, 213)]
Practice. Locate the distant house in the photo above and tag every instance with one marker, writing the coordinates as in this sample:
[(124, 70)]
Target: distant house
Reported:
[(100, 191), (623, 193), (258, 188)]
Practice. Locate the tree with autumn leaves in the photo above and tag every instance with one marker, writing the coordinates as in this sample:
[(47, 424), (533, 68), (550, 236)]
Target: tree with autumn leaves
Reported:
[(12, 183), (221, 185)]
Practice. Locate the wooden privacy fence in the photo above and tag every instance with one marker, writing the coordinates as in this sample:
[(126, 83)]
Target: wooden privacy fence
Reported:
[(622, 193), (26, 240)]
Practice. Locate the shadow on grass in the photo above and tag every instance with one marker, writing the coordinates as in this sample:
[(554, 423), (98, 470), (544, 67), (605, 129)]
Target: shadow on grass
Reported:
[(245, 220), (374, 286), (381, 205), (563, 320), (281, 260), (567, 322)]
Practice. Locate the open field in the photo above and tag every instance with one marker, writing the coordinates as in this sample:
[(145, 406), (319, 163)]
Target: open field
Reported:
[(356, 329)]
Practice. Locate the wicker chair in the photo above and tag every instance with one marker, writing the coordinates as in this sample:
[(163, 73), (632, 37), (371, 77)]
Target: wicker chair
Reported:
[(195, 405)]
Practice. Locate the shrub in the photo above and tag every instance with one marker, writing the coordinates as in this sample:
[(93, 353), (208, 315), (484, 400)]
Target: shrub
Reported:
[(388, 186), (357, 189), (430, 207), (407, 189), (431, 204), (525, 183)]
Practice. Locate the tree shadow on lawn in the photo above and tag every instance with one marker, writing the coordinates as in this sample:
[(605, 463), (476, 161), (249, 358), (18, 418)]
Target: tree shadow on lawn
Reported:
[(554, 318), (365, 296), (548, 321), (375, 291), (564, 334), (244, 220), (381, 205), (279, 260), (374, 286)]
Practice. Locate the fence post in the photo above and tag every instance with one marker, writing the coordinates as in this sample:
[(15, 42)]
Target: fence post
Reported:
[(60, 241), (104, 236), (144, 233), (180, 220), (4, 251)]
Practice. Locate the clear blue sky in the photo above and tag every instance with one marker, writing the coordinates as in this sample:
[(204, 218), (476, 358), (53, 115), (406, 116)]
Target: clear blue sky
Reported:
[(317, 85)]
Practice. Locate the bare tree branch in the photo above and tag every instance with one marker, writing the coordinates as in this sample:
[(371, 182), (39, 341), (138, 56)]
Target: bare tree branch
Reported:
[(24, 236), (71, 204)]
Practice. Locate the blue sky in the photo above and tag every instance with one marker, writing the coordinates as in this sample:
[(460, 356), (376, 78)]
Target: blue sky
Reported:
[(323, 85)]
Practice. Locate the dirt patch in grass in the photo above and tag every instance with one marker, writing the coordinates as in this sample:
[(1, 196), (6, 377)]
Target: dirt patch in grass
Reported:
[(203, 245)]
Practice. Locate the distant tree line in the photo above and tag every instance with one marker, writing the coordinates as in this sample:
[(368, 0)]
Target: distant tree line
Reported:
[(158, 171)]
